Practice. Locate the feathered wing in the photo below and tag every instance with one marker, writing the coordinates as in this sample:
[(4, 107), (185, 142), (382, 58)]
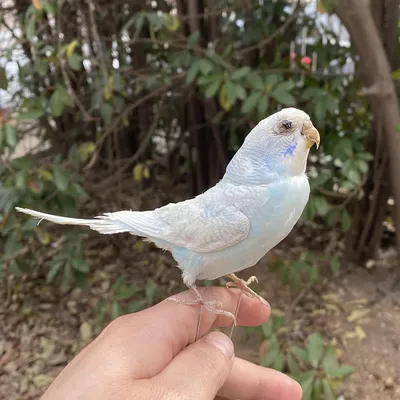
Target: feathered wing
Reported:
[(201, 225)]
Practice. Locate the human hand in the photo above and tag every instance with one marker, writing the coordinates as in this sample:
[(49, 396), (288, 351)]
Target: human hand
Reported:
[(152, 355)]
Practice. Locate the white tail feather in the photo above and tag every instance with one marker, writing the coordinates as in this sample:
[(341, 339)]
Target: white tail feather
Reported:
[(106, 224)]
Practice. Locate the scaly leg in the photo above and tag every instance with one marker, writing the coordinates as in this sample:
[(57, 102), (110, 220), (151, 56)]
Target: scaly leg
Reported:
[(213, 306), (243, 286)]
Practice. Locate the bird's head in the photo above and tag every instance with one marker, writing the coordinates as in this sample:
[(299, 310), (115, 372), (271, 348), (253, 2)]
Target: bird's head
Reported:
[(278, 145)]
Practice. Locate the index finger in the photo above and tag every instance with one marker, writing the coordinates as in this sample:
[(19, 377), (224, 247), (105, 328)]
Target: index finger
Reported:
[(162, 331)]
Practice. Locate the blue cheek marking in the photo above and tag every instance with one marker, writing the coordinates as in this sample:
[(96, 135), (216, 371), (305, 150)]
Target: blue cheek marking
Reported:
[(290, 150)]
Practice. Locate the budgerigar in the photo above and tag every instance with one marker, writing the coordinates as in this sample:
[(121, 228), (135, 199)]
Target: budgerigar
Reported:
[(234, 224)]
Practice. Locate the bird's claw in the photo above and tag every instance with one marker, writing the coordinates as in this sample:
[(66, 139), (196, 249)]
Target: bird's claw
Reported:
[(244, 287), (212, 306)]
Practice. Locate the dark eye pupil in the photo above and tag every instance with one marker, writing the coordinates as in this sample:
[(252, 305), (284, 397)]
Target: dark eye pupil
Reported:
[(287, 124)]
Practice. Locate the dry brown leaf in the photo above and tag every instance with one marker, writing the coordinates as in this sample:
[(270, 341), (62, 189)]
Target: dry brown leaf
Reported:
[(331, 298), (276, 312), (86, 331), (42, 380), (47, 348), (359, 301), (360, 332), (357, 314)]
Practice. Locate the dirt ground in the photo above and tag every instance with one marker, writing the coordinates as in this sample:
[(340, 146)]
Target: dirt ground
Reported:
[(42, 328)]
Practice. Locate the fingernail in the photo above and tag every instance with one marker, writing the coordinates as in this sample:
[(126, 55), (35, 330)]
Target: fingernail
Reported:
[(221, 342)]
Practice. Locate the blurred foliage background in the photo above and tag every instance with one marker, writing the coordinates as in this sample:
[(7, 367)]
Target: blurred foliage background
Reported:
[(101, 101)]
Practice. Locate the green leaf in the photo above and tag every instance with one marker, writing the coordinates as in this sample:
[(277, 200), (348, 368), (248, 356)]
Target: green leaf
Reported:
[(10, 134), (256, 81), (31, 27), (192, 72), (329, 362), (267, 328), (398, 127), (14, 268), (106, 111), (263, 104), (65, 96), (230, 89), (272, 80), (316, 392), (362, 166), (205, 66), (354, 176), (126, 292), (136, 305), (345, 220), (1, 136), (80, 265), (212, 89), (307, 386), (3, 79), (314, 347), (116, 310), (240, 73), (60, 178), (240, 92), (193, 39), (335, 265), (116, 287), (56, 104), (321, 204), (342, 371), (281, 94), (279, 363), (396, 75), (53, 271), (150, 290), (250, 102), (12, 247), (292, 364), (273, 351), (30, 115), (328, 392), (365, 156), (75, 61)]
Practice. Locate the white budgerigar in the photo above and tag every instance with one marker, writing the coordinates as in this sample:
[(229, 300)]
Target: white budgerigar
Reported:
[(232, 225)]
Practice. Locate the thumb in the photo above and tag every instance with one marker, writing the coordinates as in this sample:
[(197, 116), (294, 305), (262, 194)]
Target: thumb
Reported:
[(199, 371)]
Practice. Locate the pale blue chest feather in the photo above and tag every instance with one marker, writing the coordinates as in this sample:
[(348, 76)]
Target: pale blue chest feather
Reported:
[(272, 210)]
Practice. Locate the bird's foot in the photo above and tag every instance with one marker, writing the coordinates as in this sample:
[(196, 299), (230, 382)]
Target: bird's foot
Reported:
[(244, 286), (213, 306)]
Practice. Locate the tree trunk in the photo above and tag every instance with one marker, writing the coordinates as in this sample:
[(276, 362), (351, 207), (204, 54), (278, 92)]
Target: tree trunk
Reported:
[(375, 70)]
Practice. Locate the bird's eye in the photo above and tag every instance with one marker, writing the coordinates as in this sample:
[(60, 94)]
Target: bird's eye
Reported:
[(287, 124)]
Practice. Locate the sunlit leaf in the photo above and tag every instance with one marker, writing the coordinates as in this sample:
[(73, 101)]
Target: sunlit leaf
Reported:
[(38, 4), (86, 149), (71, 47), (223, 99)]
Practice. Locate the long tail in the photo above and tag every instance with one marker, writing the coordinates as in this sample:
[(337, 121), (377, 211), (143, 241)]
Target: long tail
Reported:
[(108, 223)]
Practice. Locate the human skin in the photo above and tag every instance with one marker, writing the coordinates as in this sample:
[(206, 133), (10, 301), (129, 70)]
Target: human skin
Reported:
[(152, 355)]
